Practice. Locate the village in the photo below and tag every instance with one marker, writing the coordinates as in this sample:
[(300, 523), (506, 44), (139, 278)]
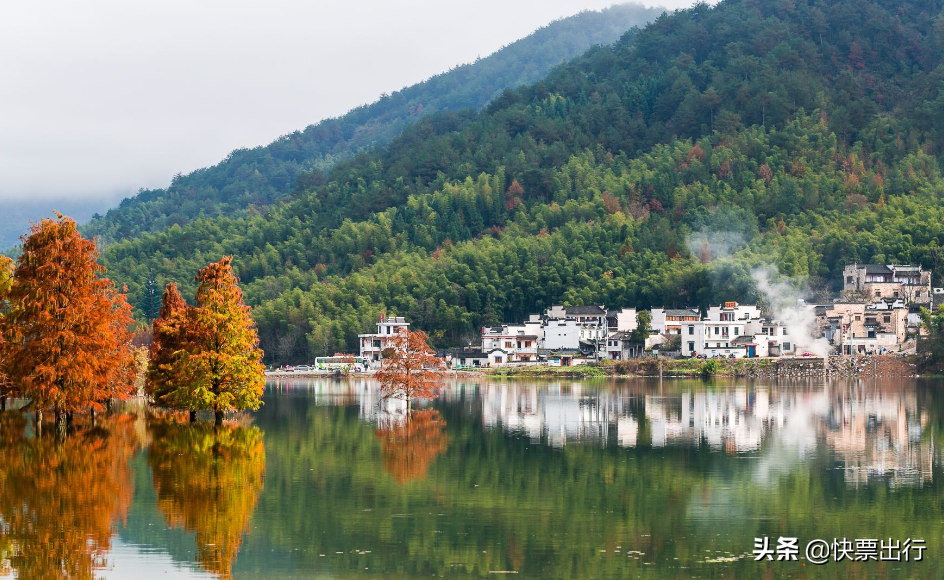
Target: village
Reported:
[(877, 312)]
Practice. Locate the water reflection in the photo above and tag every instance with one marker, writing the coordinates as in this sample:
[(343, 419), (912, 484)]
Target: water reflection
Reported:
[(874, 429), (601, 480), (60, 496), (410, 442), (208, 481)]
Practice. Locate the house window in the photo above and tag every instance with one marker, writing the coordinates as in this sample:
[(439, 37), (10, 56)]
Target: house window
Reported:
[(858, 318), (737, 331), (691, 347), (717, 330), (848, 279), (888, 318), (691, 330), (786, 346), (878, 293)]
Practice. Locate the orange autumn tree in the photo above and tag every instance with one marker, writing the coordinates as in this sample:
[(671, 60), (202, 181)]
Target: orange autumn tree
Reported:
[(65, 334), (409, 445), (208, 481), (212, 361), (165, 384), (410, 368)]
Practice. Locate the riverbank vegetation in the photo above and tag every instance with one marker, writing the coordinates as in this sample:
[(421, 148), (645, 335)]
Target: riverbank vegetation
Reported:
[(646, 367)]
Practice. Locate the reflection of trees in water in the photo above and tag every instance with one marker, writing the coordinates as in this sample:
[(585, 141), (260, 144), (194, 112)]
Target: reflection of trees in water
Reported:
[(59, 497), (208, 480), (410, 444)]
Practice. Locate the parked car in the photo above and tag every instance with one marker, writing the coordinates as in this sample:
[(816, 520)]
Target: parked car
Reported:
[(302, 369), (807, 354), (289, 369)]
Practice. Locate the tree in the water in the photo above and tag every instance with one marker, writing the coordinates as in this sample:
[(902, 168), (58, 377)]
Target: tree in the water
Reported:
[(207, 356), (208, 480), (409, 444), (61, 498), (410, 368), (165, 383), (66, 340)]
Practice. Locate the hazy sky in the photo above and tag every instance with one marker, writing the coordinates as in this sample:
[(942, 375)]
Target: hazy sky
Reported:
[(99, 98)]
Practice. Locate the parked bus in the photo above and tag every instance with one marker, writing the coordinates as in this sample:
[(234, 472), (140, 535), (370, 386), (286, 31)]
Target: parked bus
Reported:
[(342, 363)]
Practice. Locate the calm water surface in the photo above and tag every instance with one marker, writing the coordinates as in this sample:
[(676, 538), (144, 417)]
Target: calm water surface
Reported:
[(601, 479)]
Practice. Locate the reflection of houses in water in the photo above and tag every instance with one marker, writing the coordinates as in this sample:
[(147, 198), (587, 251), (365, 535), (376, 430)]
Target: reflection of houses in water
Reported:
[(723, 419), (552, 415), (874, 432), (878, 434)]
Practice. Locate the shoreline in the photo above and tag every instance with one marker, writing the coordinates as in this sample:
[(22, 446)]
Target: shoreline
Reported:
[(849, 366)]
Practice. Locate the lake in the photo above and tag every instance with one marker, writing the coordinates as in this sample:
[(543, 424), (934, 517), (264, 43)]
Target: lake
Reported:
[(591, 479)]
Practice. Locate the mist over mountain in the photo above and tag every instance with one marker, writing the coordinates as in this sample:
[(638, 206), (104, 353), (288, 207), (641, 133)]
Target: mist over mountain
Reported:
[(808, 131), (251, 179)]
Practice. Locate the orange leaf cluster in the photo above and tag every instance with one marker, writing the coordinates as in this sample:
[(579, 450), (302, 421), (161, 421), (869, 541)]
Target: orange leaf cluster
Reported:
[(206, 356), (410, 368), (66, 330)]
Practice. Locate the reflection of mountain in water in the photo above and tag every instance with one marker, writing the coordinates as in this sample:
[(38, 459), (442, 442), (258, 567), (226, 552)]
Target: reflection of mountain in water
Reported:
[(874, 430)]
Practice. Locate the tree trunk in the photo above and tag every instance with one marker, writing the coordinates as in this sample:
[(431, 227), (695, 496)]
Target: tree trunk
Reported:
[(193, 416), (39, 423), (60, 423), (219, 418), (69, 418), (3, 404), (92, 415)]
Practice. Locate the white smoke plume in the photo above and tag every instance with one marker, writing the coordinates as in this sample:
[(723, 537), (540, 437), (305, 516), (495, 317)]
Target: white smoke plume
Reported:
[(784, 304), (707, 245)]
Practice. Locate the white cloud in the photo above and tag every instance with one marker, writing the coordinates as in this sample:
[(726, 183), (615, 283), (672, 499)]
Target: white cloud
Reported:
[(102, 97)]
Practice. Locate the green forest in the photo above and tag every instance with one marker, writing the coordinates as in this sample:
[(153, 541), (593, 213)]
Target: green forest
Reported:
[(249, 180), (655, 171)]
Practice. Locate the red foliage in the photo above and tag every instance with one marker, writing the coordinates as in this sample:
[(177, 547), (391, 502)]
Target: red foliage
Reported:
[(67, 339), (410, 368)]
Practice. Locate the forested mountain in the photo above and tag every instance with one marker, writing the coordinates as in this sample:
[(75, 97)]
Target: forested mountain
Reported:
[(249, 179), (799, 134)]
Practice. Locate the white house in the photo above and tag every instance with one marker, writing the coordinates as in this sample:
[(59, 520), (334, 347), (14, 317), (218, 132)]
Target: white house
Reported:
[(669, 321), (562, 334), (732, 311), (372, 345), (738, 331), (520, 342), (623, 320)]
